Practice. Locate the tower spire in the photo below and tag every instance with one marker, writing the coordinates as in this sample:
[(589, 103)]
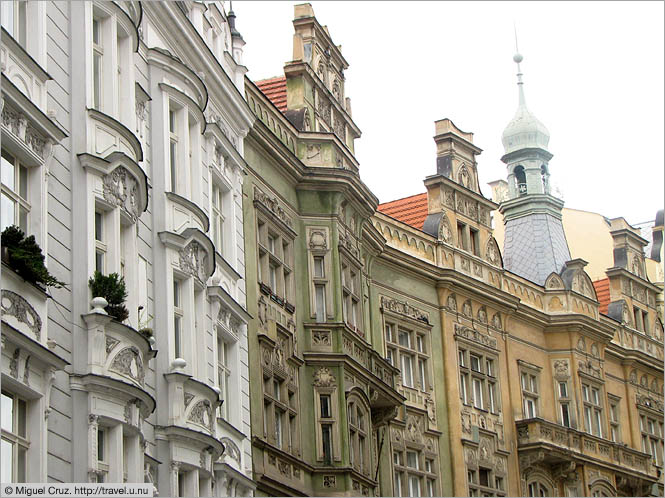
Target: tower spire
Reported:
[(518, 58)]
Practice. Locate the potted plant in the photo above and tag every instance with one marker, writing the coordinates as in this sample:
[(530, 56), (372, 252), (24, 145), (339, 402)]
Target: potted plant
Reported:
[(144, 330), (25, 257), (112, 288)]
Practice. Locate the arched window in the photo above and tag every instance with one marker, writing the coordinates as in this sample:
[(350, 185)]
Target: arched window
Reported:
[(602, 488), (359, 434), (520, 180), (537, 488), (545, 176)]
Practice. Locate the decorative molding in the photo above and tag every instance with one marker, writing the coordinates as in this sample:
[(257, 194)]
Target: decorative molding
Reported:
[(403, 308), (201, 414), (121, 190), (323, 377), (445, 232), (128, 362), (475, 336), (21, 309), (231, 449), (492, 252), (272, 205), (193, 260)]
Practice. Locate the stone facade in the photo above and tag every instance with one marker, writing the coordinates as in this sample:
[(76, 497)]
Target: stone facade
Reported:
[(127, 121)]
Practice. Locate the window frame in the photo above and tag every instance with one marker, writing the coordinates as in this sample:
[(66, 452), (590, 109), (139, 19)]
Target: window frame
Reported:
[(17, 436), (529, 379), (14, 195), (477, 367), (414, 352)]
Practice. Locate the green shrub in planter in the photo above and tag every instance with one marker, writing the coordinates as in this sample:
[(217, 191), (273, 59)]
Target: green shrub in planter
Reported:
[(112, 288), (25, 257)]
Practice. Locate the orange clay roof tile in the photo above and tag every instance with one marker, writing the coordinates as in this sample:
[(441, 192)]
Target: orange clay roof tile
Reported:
[(275, 90), (411, 210), (603, 292)]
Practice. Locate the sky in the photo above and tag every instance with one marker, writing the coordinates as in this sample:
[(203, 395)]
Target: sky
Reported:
[(593, 74)]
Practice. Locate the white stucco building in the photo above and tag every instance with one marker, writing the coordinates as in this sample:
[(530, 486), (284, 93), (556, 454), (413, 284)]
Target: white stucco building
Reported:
[(122, 151)]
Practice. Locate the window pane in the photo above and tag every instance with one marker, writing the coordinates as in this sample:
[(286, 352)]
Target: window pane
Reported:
[(318, 267), (173, 161), (563, 389), (23, 182), (96, 32), (475, 363), (8, 212), (412, 459), (23, 219), (325, 406), (327, 447), (100, 444), (7, 461), (423, 380), (8, 171), (404, 339), (407, 370), (7, 413), (20, 464), (565, 417), (320, 298), (21, 416), (177, 339)]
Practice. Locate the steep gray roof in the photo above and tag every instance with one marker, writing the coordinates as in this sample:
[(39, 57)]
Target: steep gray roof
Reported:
[(535, 246)]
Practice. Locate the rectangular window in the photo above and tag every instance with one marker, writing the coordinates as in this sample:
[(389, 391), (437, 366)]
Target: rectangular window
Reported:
[(223, 374), (326, 412), (326, 433), (478, 393), (414, 486), (461, 239), (278, 428), (563, 389), (645, 322), (14, 443), (422, 371), (177, 319), (218, 218), (320, 299), (489, 367), (637, 315), (398, 484), (593, 412), (529, 383), (475, 242), (491, 395), (565, 415), (15, 206), (475, 363), (484, 477), (100, 245), (463, 387), (319, 268), (412, 460), (404, 339), (97, 64), (461, 354), (407, 370)]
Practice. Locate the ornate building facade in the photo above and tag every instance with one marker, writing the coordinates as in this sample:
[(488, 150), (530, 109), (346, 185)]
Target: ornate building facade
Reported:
[(286, 333), (402, 339), (122, 152)]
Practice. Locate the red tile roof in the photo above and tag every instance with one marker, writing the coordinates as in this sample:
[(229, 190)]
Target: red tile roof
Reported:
[(411, 210), (603, 292), (275, 90)]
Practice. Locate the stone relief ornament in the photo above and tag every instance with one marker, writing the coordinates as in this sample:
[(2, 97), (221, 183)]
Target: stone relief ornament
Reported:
[(273, 205), (581, 344), (466, 422), (496, 322), (431, 411), (318, 240), (445, 232), (188, 397), (193, 260), (470, 456), (128, 362), (594, 350), (329, 481), (121, 190), (475, 336), (464, 177), (202, 414), (13, 363), (414, 430), (466, 309), (448, 198), (482, 315), (452, 302), (492, 252), (321, 338), (231, 449), (111, 343), (561, 368), (403, 308), (14, 305), (323, 377)]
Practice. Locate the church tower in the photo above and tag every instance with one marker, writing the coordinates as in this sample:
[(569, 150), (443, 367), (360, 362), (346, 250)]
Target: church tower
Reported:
[(535, 244)]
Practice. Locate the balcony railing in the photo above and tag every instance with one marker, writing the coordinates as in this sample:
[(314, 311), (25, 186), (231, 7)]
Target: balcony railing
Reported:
[(537, 433)]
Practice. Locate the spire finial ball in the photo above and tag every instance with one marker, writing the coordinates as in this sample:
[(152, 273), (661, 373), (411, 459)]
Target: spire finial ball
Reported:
[(518, 58)]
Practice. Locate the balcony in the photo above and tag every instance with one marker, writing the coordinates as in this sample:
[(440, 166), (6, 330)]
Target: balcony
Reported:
[(539, 440), (118, 354)]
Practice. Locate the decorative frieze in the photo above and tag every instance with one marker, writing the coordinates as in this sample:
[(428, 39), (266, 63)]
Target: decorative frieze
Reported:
[(128, 362), (402, 308), (17, 124), (272, 205), (475, 336), (648, 402), (323, 377), (202, 414)]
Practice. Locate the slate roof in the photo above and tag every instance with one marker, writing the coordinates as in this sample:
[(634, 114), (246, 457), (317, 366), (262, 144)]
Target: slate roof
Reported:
[(411, 210), (603, 293), (535, 246), (275, 90)]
